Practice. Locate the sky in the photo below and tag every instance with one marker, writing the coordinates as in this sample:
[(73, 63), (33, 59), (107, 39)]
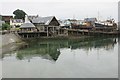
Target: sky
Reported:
[(119, 11), (63, 9)]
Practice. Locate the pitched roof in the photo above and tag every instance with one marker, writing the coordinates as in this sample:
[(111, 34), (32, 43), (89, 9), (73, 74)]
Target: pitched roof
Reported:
[(44, 20), (27, 25)]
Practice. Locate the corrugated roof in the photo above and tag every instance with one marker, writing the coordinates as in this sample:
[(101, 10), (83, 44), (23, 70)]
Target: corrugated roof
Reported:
[(44, 20)]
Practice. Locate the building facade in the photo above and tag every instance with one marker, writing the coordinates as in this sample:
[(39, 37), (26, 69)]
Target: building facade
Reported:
[(47, 24), (16, 23), (7, 18)]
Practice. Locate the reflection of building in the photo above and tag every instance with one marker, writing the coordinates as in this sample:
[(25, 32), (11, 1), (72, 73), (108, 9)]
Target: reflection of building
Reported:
[(50, 49), (45, 51)]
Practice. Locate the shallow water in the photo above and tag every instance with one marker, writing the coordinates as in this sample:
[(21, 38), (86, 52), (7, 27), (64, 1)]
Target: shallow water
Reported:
[(63, 58)]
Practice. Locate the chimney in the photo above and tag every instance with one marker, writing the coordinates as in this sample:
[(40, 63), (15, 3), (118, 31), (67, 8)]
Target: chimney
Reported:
[(26, 19)]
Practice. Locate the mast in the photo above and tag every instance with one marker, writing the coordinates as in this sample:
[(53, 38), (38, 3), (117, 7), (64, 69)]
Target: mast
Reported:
[(98, 15)]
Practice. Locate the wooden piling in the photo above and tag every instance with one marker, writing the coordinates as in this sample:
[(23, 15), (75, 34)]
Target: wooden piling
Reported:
[(47, 32)]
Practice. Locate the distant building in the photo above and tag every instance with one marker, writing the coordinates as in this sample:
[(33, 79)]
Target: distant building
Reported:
[(70, 23), (75, 24), (7, 18), (90, 19)]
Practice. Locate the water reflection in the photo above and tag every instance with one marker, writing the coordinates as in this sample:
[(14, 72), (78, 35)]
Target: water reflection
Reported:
[(50, 49)]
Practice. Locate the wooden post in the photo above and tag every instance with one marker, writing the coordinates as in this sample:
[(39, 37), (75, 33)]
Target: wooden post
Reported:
[(88, 32), (58, 31), (23, 35), (47, 32), (53, 30), (27, 35), (83, 33), (67, 32), (38, 35)]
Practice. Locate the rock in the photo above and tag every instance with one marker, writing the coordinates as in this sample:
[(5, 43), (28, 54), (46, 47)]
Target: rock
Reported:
[(9, 38)]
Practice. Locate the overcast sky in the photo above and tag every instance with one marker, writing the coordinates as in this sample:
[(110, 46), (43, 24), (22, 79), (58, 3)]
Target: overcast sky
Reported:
[(63, 9)]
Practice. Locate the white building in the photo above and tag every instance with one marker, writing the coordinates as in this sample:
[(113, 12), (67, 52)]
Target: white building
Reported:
[(16, 23)]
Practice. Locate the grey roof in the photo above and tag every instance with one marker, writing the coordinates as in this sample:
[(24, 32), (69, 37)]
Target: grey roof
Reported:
[(17, 20), (27, 25), (44, 20), (90, 19), (32, 17)]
